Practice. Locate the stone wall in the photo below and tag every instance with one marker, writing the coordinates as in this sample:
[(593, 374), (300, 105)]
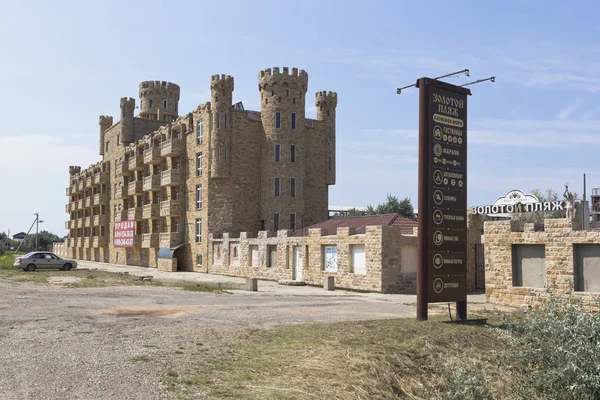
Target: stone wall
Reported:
[(390, 257), (559, 238)]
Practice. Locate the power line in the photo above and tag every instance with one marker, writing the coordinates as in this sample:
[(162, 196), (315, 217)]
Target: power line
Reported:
[(15, 215)]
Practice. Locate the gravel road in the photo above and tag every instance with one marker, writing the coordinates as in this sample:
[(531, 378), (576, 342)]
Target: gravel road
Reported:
[(120, 342)]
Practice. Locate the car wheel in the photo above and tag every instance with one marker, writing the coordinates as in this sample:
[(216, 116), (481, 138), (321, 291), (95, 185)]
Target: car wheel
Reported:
[(67, 267), (30, 268)]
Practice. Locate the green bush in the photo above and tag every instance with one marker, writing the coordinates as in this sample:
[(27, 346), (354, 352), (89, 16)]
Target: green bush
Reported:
[(7, 261), (552, 353)]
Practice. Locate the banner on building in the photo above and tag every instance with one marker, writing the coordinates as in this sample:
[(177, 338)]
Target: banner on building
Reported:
[(124, 233)]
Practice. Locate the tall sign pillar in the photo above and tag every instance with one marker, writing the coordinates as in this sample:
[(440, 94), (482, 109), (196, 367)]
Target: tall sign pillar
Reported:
[(442, 204)]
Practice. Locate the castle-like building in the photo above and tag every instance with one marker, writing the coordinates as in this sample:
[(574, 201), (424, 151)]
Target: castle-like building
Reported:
[(167, 180)]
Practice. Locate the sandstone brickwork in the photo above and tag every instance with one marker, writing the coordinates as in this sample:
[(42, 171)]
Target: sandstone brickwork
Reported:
[(149, 173), (559, 237), (390, 257)]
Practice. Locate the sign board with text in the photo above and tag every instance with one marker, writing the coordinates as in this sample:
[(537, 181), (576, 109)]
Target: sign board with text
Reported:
[(124, 233), (443, 190)]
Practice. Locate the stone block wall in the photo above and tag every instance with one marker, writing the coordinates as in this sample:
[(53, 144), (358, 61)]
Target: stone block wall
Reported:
[(559, 237), (390, 257)]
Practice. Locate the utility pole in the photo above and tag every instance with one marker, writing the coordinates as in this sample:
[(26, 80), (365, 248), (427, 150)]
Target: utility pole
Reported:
[(37, 218)]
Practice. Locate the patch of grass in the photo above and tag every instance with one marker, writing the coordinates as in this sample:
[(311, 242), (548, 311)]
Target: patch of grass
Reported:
[(140, 359), (7, 261), (88, 279), (386, 359), (172, 374)]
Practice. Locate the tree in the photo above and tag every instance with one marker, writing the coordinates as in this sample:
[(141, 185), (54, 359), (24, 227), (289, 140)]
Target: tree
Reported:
[(44, 238), (539, 216), (3, 237), (393, 206)]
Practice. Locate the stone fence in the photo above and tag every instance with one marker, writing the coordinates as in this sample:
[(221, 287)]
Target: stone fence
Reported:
[(60, 249), (382, 259), (523, 261)]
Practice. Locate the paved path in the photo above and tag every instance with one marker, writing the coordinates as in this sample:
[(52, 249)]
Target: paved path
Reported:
[(476, 301)]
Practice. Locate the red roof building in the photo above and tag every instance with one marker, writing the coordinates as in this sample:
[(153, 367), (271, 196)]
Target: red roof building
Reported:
[(359, 223)]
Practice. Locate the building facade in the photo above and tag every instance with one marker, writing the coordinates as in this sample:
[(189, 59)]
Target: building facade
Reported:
[(167, 180)]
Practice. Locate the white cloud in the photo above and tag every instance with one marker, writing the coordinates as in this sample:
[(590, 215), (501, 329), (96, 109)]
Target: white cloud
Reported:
[(566, 112)]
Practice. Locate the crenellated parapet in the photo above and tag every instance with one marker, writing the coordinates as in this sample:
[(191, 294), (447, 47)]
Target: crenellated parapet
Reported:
[(74, 169), (221, 82), (271, 79), (326, 103), (166, 89)]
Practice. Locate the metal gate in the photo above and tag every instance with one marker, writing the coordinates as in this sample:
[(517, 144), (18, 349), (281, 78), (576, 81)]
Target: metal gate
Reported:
[(479, 267)]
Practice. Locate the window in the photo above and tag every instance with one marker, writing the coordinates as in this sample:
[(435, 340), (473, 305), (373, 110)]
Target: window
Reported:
[(150, 105), (293, 120), (277, 152), (198, 260), (198, 197), (165, 104), (331, 133), (176, 226), (218, 120), (118, 139), (224, 155), (198, 164), (199, 129), (359, 265), (276, 184), (198, 230), (277, 119), (271, 256), (293, 221), (293, 153), (226, 121), (217, 155), (275, 222), (330, 254), (107, 145), (293, 187)]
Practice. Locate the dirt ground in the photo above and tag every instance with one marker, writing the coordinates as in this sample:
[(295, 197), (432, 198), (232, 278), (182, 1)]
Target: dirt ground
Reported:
[(123, 342)]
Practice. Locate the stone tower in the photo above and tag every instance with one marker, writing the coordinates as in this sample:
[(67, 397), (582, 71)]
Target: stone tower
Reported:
[(127, 109), (105, 123), (283, 146), (221, 87), (159, 100), (326, 103)]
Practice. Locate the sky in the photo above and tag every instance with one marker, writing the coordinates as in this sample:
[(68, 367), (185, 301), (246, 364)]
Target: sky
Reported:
[(64, 63)]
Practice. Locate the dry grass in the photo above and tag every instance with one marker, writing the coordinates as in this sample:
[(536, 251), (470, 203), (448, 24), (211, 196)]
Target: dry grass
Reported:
[(389, 359), (92, 278)]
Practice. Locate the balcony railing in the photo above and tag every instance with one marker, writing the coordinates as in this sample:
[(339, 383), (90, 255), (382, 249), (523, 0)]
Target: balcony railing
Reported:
[(121, 215), (170, 177), (136, 162), (87, 202), (80, 222), (149, 240), (151, 211), (122, 167), (86, 242), (99, 220), (99, 241), (100, 198), (170, 239), (152, 155), (135, 187), (151, 183), (121, 191), (171, 147), (99, 178), (87, 222), (80, 204), (81, 185), (134, 214), (79, 242), (169, 208), (71, 242), (88, 181)]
